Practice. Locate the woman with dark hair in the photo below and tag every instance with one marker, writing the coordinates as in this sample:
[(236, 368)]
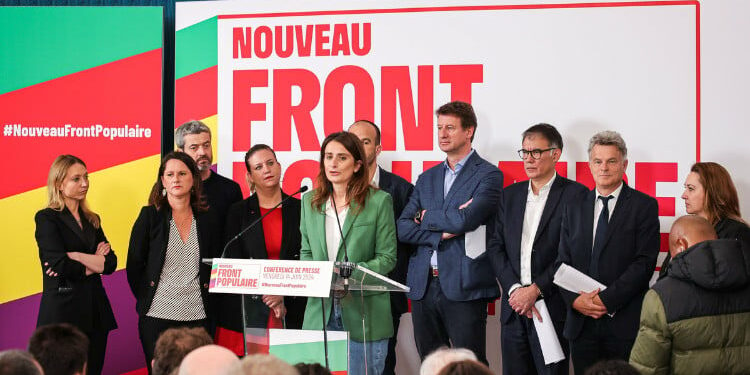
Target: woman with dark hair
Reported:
[(170, 237), (344, 196), (74, 252), (710, 193), (275, 237)]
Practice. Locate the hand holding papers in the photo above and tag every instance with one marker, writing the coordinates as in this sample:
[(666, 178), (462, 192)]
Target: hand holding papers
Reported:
[(576, 281)]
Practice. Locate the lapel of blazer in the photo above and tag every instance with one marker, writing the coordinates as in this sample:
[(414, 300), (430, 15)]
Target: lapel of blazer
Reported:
[(254, 240), (319, 230), (67, 218), (385, 180), (464, 175), (553, 199), (620, 212), (351, 217), (438, 186), (587, 217), (201, 226), (517, 209)]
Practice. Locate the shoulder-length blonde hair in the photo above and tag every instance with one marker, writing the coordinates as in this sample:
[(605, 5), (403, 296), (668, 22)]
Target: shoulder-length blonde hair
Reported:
[(57, 173), (359, 185)]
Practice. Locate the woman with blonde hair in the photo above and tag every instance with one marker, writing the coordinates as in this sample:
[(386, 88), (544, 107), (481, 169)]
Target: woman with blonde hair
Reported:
[(74, 252)]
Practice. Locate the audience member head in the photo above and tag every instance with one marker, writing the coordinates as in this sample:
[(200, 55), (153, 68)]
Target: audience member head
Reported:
[(194, 139), (68, 179), (608, 160), (436, 360), (464, 112), (312, 369), (369, 134), (208, 360), (710, 193), (611, 367), (465, 367), (174, 344), (178, 176), (688, 231), (61, 349), (342, 164), (262, 364), (263, 169), (541, 148), (19, 362)]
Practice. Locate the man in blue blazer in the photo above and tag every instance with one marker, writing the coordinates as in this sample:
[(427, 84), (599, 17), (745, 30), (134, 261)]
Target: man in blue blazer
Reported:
[(523, 246), (611, 234), (400, 190), (450, 275)]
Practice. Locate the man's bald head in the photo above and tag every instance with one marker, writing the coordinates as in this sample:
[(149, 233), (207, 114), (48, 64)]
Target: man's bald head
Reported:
[(688, 231), (207, 360)]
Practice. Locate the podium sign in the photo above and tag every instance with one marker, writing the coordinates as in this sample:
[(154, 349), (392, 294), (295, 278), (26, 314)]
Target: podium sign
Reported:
[(271, 277)]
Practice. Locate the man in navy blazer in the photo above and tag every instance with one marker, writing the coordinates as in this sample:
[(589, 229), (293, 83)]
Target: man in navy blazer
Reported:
[(611, 234), (400, 190), (523, 246), (450, 275)]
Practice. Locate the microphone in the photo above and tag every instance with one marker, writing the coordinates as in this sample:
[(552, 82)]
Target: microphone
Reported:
[(345, 268), (258, 220)]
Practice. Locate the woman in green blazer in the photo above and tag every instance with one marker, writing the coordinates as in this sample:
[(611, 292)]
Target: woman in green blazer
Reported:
[(366, 217)]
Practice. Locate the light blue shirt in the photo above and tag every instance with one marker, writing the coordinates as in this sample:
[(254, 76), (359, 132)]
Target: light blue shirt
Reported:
[(450, 177)]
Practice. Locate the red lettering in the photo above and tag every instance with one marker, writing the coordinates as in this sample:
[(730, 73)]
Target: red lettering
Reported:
[(366, 39), (281, 50), (396, 81), (648, 174), (460, 77), (298, 171), (429, 164), (238, 175), (263, 42), (241, 43), (322, 39), (245, 111), (284, 112), (304, 39), (403, 169), (340, 40), (333, 92)]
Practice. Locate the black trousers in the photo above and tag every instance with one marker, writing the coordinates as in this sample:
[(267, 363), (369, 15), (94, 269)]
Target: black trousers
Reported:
[(598, 342), (97, 350), (439, 322), (150, 328), (522, 353)]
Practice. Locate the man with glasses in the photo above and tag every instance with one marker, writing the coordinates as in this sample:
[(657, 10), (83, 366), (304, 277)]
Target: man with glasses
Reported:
[(450, 275), (523, 246)]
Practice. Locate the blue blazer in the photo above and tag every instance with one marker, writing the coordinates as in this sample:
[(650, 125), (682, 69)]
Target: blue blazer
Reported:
[(627, 260), (461, 277), (505, 242)]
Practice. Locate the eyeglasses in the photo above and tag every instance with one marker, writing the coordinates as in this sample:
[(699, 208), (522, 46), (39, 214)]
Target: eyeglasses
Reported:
[(535, 153)]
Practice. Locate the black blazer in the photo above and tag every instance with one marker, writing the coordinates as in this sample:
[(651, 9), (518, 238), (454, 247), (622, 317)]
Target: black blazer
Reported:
[(72, 297), (505, 242), (400, 190), (148, 250), (252, 245), (627, 260)]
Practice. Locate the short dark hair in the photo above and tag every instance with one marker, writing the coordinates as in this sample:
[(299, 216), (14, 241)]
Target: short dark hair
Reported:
[(18, 362), (254, 149), (464, 111), (547, 132), (377, 129), (312, 369), (174, 344), (61, 349), (611, 367)]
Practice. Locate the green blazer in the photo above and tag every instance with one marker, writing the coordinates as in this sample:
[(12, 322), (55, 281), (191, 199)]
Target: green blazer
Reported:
[(370, 236)]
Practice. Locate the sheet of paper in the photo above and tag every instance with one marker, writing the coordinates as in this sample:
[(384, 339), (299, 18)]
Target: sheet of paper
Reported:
[(545, 330), (575, 281), (475, 242)]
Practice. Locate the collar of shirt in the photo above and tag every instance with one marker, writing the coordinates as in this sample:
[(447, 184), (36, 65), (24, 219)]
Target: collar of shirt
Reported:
[(376, 177), (460, 163), (615, 193), (543, 191), (329, 211)]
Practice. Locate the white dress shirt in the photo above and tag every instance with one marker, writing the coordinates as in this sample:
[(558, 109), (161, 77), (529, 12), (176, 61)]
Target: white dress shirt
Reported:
[(333, 235), (598, 208), (376, 177)]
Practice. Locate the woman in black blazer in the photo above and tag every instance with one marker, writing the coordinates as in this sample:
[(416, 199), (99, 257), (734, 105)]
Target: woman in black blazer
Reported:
[(74, 252), (170, 237), (282, 227)]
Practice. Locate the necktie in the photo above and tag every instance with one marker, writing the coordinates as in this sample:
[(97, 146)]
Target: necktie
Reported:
[(601, 233)]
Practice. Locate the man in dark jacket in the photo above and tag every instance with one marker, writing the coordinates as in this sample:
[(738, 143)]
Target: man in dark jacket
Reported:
[(694, 321)]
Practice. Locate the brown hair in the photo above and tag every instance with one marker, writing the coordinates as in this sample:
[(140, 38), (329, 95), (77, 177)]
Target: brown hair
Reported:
[(57, 172), (720, 199), (464, 111), (465, 367), (358, 186), (159, 199), (174, 344), (60, 349)]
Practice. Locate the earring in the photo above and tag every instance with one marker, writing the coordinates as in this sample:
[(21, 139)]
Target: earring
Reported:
[(164, 192)]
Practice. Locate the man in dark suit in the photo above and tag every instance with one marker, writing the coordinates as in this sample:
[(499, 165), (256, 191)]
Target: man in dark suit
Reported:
[(611, 234), (523, 245), (450, 275), (400, 190)]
